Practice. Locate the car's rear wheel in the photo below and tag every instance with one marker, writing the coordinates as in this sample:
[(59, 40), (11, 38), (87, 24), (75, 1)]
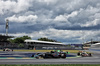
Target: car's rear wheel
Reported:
[(78, 53), (90, 54)]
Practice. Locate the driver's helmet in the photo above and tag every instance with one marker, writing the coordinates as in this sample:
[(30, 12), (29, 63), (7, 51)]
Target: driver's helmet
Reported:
[(58, 50)]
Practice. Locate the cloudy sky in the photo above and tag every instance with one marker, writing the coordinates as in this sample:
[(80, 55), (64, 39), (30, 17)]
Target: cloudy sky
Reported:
[(67, 21)]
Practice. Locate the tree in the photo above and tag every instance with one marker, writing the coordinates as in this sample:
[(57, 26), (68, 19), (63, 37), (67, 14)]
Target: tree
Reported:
[(19, 39), (21, 45), (46, 39), (69, 45)]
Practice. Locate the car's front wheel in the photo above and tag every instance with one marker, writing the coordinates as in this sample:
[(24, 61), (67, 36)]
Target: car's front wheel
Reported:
[(63, 55)]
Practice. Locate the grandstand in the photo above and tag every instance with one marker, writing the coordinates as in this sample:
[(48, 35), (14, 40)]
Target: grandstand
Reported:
[(36, 44), (4, 42), (97, 45)]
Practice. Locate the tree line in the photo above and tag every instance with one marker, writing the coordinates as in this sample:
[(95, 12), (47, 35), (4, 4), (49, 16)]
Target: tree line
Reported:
[(20, 40)]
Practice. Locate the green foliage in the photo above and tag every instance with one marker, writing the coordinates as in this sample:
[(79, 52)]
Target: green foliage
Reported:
[(11, 40), (46, 39), (21, 45), (69, 45), (19, 39)]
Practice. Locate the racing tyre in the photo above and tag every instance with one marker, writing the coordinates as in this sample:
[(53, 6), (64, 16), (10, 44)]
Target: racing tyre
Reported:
[(78, 53), (90, 54), (44, 56), (32, 55), (63, 55)]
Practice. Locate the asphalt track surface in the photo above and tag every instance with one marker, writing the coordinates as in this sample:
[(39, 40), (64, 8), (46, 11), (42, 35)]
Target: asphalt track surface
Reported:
[(27, 60)]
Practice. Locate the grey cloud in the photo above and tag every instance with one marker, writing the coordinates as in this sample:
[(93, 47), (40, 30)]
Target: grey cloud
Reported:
[(51, 10), (18, 6), (47, 11)]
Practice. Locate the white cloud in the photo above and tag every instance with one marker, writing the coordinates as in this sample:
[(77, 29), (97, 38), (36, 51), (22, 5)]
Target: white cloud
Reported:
[(29, 18), (21, 5), (73, 14), (65, 17), (93, 23), (94, 19), (13, 6), (48, 1), (67, 35), (58, 14), (60, 18), (64, 35), (96, 16)]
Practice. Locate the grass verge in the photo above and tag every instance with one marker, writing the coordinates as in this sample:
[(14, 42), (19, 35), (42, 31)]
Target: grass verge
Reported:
[(71, 51), (26, 50)]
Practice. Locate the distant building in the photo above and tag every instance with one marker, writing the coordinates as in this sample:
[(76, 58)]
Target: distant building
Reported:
[(77, 46), (95, 47), (36, 44), (88, 44)]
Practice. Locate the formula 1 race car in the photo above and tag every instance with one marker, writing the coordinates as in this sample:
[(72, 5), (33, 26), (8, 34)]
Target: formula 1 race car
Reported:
[(84, 54), (52, 54), (7, 49)]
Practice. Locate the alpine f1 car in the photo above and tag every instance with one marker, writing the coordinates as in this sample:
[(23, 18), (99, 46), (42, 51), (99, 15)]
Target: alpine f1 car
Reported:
[(84, 54)]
